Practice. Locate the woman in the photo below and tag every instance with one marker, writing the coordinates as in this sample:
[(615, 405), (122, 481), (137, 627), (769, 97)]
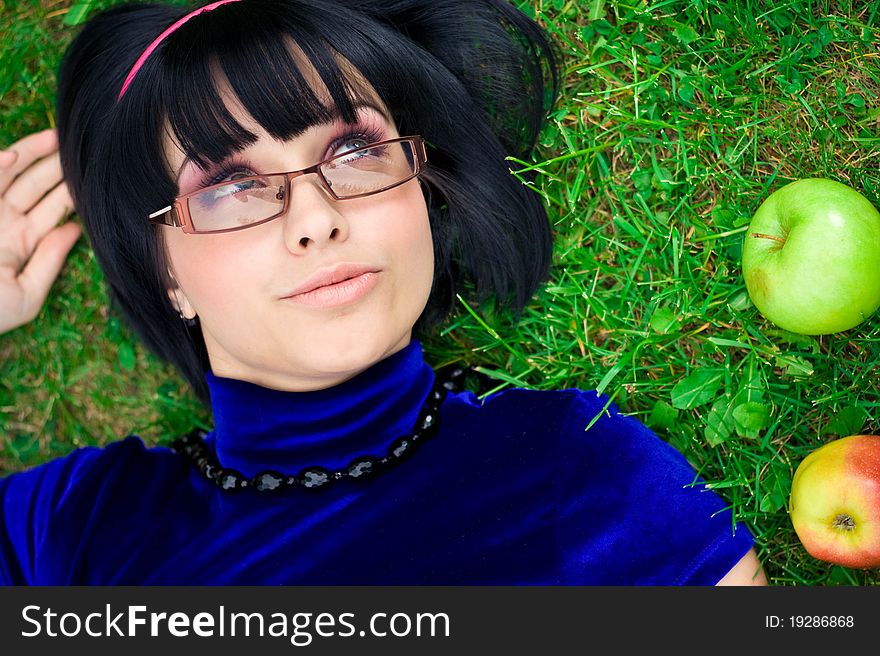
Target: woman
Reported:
[(233, 166)]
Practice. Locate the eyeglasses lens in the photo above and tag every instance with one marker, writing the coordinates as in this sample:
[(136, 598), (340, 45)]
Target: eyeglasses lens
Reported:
[(246, 202)]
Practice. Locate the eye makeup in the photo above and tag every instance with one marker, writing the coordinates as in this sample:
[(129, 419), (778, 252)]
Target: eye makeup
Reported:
[(371, 126), (245, 168)]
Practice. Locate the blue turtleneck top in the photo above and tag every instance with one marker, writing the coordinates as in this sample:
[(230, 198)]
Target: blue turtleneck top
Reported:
[(510, 491)]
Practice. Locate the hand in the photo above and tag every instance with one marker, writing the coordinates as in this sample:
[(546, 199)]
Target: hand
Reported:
[(33, 198)]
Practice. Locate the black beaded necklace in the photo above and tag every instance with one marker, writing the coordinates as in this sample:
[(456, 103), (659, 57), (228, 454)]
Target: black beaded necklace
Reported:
[(193, 446)]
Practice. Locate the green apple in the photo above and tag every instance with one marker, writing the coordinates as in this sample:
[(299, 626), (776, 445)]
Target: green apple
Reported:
[(811, 257), (835, 501)]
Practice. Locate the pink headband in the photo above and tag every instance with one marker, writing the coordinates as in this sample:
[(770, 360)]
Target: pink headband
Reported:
[(162, 37)]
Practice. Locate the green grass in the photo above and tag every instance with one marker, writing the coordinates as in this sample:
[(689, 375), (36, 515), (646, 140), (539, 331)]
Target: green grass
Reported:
[(677, 120)]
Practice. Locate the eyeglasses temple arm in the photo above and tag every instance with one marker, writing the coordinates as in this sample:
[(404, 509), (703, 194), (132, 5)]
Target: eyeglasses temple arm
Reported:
[(166, 216)]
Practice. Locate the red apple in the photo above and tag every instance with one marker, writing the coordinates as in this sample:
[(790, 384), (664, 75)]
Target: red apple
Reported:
[(835, 501)]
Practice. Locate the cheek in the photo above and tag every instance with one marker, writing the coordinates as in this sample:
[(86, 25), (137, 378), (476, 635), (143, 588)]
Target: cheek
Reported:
[(426, 251), (210, 271), (412, 235)]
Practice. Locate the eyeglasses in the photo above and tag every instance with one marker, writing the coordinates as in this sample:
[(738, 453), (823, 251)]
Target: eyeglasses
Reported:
[(247, 202)]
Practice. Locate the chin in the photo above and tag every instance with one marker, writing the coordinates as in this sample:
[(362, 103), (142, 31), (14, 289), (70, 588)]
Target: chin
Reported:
[(354, 353)]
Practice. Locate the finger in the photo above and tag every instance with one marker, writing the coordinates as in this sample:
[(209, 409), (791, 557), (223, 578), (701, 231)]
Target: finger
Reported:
[(41, 271), (32, 184), (48, 212), (32, 147), (7, 158)]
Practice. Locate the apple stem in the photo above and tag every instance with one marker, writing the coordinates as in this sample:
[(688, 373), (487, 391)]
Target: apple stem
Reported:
[(761, 235), (844, 522)]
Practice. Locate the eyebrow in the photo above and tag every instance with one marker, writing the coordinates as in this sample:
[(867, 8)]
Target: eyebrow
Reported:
[(335, 115)]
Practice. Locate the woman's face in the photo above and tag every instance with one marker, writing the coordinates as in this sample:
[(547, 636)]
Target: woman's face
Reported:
[(236, 282)]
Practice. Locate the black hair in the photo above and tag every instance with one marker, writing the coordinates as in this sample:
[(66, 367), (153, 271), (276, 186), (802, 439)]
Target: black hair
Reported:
[(475, 78)]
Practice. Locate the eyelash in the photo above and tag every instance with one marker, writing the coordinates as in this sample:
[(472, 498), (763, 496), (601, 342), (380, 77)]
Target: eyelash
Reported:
[(369, 135)]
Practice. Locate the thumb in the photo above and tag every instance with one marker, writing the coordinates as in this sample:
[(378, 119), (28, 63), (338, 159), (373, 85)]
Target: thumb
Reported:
[(45, 263)]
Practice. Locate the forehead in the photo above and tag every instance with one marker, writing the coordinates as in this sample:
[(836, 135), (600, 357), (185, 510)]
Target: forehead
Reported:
[(361, 90)]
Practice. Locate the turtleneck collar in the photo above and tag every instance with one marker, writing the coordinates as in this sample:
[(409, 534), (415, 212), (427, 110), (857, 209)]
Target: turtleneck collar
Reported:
[(257, 428)]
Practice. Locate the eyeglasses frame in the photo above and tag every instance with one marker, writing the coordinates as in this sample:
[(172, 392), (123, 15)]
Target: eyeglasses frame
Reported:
[(177, 214)]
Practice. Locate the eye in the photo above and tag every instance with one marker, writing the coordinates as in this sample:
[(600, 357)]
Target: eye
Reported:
[(228, 177), (359, 142), (232, 188), (230, 171), (361, 137)]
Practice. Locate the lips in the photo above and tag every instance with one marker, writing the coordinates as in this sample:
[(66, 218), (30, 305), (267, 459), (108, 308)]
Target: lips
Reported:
[(330, 276), (342, 293)]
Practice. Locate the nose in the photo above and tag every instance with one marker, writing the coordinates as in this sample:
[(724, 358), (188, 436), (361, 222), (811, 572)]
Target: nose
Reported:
[(312, 217)]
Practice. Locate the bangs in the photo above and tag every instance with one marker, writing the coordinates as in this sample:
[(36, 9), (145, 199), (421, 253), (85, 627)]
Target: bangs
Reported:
[(262, 63)]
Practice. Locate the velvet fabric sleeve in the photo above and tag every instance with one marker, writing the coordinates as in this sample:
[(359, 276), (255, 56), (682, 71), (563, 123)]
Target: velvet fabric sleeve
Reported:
[(29, 503), (632, 510), (91, 517)]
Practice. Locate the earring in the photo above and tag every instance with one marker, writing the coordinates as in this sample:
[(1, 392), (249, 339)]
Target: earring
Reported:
[(190, 322)]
